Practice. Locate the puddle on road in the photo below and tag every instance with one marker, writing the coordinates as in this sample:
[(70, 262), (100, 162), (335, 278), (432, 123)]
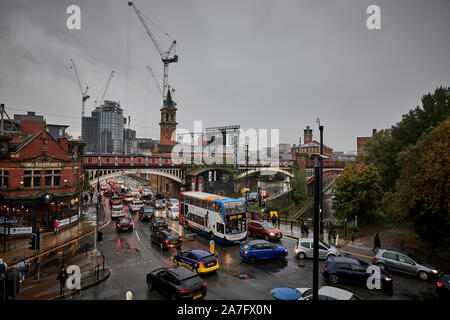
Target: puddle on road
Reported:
[(244, 276)]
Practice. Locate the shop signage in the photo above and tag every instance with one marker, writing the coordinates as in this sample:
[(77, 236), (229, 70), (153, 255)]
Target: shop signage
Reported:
[(64, 222), (42, 164), (4, 220), (73, 218), (16, 231)]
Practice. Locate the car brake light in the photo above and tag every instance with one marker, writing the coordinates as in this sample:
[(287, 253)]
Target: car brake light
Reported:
[(181, 239), (374, 257), (325, 269), (246, 252), (166, 241), (296, 247), (439, 284), (200, 263), (204, 285), (118, 224), (154, 224), (184, 291)]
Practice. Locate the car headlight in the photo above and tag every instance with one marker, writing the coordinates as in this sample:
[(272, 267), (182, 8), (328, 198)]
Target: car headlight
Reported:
[(285, 250), (388, 279), (434, 271), (272, 234)]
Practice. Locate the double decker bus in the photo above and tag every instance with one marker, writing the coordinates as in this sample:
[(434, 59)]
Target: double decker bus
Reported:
[(218, 218)]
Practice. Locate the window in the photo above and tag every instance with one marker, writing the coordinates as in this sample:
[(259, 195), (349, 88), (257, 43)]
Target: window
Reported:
[(218, 207), (53, 178), (390, 256), (343, 266), (32, 178), (405, 259), (220, 228), (4, 179), (306, 245), (75, 176), (357, 267)]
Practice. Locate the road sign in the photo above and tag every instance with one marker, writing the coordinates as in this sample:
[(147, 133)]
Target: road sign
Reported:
[(211, 246), (274, 213)]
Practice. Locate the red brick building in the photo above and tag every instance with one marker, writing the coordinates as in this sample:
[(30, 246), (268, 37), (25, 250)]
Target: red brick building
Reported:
[(361, 142), (41, 179), (309, 147)]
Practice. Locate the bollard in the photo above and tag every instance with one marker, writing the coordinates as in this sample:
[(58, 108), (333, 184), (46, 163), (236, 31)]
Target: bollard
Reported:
[(129, 295), (337, 240)]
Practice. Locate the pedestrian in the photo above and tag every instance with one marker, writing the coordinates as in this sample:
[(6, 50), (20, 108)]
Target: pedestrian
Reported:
[(56, 226), (62, 277), (91, 194), (86, 198), (274, 220), (3, 267), (306, 228), (23, 269), (376, 241)]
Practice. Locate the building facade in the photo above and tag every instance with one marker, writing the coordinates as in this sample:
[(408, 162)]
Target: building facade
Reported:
[(103, 131), (361, 142), (41, 180)]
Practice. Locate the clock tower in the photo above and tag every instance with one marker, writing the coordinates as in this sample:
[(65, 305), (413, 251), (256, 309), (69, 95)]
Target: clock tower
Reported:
[(168, 123)]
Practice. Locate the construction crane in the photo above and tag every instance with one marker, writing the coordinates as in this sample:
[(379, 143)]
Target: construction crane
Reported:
[(106, 88), (167, 57), (84, 92), (172, 90)]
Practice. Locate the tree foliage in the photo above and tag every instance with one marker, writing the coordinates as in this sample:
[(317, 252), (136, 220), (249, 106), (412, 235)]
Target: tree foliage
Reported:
[(358, 192), (299, 187), (424, 186), (384, 147)]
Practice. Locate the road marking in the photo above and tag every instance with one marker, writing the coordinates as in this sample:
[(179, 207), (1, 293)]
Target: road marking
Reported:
[(137, 235), (356, 254)]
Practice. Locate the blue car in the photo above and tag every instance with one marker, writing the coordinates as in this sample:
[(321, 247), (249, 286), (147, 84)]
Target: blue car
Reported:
[(353, 271), (260, 250)]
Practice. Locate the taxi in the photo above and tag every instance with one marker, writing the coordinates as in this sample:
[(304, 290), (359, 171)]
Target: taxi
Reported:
[(198, 260)]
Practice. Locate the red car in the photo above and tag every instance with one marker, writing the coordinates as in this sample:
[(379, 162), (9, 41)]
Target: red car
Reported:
[(264, 193), (264, 229)]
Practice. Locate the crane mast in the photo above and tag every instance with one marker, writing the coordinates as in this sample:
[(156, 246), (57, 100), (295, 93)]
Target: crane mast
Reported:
[(84, 92), (106, 88), (166, 57)]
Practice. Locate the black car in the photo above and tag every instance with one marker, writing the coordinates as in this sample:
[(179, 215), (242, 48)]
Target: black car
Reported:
[(443, 287), (158, 223), (166, 238), (146, 213), (159, 196), (177, 283), (353, 271), (124, 224), (148, 201)]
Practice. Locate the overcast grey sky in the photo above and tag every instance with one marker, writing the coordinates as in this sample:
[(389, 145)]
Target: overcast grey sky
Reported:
[(256, 63)]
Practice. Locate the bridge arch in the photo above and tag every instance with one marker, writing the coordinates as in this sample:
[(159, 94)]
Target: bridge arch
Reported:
[(176, 175), (259, 170)]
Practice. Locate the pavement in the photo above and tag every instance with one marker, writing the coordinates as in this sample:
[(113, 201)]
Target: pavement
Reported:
[(56, 249)]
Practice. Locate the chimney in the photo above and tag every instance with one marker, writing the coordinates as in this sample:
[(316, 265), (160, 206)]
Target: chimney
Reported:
[(374, 131), (307, 135)]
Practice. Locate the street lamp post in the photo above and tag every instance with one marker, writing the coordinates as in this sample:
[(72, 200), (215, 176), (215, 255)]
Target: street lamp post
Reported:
[(96, 220)]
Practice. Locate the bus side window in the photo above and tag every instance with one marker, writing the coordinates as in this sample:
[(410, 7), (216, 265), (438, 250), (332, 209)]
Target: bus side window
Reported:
[(219, 227)]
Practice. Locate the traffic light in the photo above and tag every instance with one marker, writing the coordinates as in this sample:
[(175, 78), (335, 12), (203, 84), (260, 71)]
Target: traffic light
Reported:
[(33, 242), (99, 236)]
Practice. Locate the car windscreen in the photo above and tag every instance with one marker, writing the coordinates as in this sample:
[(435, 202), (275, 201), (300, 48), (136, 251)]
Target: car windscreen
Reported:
[(326, 245), (417, 260), (173, 236), (245, 246), (159, 201), (117, 208), (160, 220), (148, 209), (267, 225), (138, 203)]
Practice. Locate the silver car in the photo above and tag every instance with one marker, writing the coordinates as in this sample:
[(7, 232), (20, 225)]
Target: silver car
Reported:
[(405, 263), (305, 249)]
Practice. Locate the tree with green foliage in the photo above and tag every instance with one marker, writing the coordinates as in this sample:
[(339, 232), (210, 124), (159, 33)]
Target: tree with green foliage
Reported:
[(298, 184), (383, 148), (358, 192), (424, 185)]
